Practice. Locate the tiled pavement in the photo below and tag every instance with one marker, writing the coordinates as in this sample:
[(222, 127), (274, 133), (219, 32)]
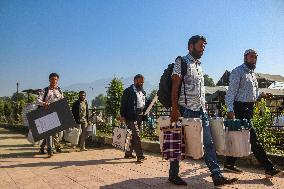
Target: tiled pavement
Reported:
[(21, 167)]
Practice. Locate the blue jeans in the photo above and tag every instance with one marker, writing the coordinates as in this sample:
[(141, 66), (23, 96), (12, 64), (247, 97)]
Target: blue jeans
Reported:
[(210, 156)]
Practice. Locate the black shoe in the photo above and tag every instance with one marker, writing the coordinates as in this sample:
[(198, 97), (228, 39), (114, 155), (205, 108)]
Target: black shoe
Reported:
[(223, 181), (58, 150), (233, 169), (177, 181), (129, 156), (49, 154), (273, 173), (41, 151), (141, 158)]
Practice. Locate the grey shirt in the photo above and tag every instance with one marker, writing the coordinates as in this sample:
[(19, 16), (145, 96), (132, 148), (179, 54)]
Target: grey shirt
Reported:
[(243, 87)]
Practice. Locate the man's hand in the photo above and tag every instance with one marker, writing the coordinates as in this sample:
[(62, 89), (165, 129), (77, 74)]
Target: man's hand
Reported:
[(46, 105), (175, 115), (230, 115)]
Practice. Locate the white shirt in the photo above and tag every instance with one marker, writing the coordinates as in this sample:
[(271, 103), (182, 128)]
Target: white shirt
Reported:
[(141, 98), (53, 95)]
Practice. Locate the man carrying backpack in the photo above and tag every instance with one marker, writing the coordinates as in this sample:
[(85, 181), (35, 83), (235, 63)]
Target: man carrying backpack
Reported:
[(48, 95), (188, 100)]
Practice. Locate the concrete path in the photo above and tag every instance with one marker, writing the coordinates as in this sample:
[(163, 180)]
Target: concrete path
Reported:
[(105, 168)]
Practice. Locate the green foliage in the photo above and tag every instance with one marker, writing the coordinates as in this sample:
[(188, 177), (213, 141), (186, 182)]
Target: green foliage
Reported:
[(31, 98), (158, 106), (21, 96), (114, 94), (8, 109), (208, 81), (269, 138), (17, 109), (71, 97), (104, 128), (1, 107), (224, 110), (261, 118), (152, 94), (99, 101)]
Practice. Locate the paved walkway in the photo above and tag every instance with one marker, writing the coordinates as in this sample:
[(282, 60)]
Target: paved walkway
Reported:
[(21, 167)]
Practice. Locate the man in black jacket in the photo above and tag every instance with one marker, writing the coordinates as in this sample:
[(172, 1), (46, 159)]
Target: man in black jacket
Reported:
[(133, 106), (81, 115)]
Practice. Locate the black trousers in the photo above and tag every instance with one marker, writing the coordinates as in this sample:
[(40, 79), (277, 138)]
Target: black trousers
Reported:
[(135, 143), (244, 110)]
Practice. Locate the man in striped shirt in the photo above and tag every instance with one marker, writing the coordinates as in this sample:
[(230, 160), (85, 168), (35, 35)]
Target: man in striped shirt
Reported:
[(191, 104), (240, 98)]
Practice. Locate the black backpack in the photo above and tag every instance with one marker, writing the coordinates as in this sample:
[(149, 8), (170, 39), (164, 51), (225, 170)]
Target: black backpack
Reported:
[(165, 85)]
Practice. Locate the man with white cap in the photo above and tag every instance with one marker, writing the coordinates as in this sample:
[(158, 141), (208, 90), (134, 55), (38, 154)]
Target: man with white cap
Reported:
[(240, 98)]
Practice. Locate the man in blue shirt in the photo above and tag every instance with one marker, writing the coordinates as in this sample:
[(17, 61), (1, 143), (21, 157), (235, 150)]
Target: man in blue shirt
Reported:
[(240, 98)]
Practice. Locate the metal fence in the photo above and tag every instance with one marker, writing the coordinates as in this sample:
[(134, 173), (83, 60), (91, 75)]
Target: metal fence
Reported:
[(214, 109)]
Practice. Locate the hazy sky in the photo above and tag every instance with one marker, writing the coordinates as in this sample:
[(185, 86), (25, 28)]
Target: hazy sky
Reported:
[(88, 40)]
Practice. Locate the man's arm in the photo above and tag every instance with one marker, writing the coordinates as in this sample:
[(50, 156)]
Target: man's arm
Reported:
[(233, 89), (40, 100)]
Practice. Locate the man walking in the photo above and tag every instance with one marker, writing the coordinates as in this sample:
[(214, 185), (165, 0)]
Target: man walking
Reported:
[(81, 115), (48, 95), (240, 98), (133, 105), (191, 104)]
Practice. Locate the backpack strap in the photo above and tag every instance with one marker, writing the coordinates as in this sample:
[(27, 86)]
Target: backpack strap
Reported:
[(58, 88), (183, 73), (45, 93)]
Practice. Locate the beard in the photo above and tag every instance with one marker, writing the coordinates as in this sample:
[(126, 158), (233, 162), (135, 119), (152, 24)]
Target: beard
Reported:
[(250, 66), (195, 54), (139, 87)]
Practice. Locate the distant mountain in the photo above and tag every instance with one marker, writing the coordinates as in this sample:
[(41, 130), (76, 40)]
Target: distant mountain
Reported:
[(100, 86)]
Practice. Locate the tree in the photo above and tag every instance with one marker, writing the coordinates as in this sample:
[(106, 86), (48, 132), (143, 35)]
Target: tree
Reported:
[(208, 81), (152, 94), (158, 105), (71, 97), (16, 111), (31, 98), (114, 94), (21, 96), (8, 109), (1, 107), (100, 101)]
